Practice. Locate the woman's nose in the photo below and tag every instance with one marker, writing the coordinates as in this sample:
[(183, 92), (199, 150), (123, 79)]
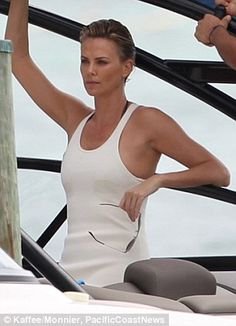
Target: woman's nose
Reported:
[(91, 69)]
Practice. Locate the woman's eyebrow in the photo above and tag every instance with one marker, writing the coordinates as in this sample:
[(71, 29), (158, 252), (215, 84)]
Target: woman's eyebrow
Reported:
[(97, 58)]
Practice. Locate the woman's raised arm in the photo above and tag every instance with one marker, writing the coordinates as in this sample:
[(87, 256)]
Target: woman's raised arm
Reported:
[(61, 107)]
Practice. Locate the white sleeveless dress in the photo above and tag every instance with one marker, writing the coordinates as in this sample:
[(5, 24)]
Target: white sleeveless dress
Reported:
[(92, 178)]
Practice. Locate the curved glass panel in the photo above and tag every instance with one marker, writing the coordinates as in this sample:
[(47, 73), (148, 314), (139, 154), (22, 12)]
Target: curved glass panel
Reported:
[(181, 225), (41, 199), (157, 30)]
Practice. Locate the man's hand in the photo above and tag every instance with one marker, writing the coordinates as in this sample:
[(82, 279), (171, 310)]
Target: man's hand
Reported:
[(230, 6), (207, 25)]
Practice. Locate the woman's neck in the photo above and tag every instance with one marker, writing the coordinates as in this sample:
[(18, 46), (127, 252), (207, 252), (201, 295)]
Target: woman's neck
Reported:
[(109, 110)]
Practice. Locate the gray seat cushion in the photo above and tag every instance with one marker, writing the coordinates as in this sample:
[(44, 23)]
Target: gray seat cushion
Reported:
[(117, 295), (170, 278), (211, 304), (127, 287)]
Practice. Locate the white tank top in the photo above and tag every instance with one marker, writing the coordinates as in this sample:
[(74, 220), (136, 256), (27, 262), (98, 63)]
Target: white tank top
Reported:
[(92, 178)]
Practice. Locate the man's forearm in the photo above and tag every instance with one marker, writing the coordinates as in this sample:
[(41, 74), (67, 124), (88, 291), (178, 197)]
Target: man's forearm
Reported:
[(225, 45)]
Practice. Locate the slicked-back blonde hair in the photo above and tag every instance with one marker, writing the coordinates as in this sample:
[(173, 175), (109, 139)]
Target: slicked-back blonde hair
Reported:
[(112, 30)]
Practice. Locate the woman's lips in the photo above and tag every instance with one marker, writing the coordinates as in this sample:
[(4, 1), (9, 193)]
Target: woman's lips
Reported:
[(92, 82)]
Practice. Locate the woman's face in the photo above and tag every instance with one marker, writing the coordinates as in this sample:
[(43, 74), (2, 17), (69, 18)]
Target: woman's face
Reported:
[(101, 67)]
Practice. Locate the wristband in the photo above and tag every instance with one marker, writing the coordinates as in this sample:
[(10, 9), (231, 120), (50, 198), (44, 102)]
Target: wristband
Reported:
[(213, 29)]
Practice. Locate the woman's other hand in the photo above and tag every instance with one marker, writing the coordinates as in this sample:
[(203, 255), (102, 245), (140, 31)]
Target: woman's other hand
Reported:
[(134, 197)]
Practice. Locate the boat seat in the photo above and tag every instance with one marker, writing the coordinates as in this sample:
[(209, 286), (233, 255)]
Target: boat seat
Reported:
[(211, 304), (117, 295), (226, 280), (168, 278), (175, 279)]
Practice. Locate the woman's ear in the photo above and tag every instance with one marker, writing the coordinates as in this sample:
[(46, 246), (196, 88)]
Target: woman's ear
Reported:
[(128, 67)]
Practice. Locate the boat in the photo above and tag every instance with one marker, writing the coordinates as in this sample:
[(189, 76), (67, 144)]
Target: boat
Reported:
[(196, 284)]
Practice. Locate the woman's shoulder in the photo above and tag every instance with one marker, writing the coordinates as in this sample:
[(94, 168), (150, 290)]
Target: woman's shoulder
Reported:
[(151, 114), (154, 122), (77, 114)]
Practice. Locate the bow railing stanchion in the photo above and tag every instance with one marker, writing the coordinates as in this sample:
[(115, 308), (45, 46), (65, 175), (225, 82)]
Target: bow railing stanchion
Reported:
[(10, 239)]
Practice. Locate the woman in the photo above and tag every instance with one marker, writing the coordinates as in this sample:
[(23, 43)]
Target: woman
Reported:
[(108, 169)]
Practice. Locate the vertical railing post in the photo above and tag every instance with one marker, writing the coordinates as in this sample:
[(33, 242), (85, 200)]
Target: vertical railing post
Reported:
[(10, 239)]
